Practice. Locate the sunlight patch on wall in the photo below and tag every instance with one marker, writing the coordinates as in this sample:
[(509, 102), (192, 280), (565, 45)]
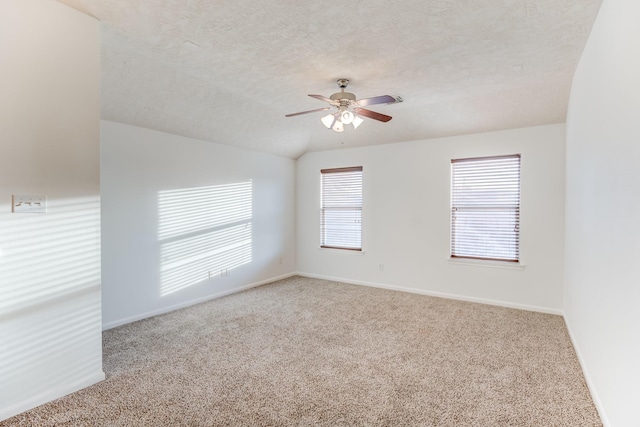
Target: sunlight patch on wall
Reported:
[(48, 256), (203, 232), (58, 344), (50, 317)]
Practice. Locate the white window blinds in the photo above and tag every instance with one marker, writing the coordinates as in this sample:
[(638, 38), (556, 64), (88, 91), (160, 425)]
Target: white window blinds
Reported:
[(485, 208), (341, 208)]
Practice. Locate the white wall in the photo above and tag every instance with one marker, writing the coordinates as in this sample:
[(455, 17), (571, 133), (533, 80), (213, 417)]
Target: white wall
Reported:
[(406, 217), (50, 331), (603, 208), (146, 176)]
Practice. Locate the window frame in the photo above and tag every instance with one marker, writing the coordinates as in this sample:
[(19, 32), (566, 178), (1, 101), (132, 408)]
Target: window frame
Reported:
[(324, 226), (490, 178)]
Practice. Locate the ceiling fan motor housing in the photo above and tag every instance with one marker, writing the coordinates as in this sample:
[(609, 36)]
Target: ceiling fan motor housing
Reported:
[(343, 96)]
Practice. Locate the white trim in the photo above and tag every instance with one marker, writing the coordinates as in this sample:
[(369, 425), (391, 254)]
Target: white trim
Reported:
[(439, 294), (504, 265), (163, 310), (49, 395), (590, 385), (341, 251)]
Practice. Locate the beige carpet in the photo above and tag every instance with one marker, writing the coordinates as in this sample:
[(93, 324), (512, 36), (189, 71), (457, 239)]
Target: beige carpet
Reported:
[(310, 352)]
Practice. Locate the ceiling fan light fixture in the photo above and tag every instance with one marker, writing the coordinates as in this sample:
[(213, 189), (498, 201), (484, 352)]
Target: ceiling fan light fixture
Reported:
[(328, 120), (347, 117), (357, 121), (338, 126)]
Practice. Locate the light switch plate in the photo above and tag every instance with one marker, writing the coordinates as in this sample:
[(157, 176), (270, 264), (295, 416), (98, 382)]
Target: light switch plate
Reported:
[(28, 204)]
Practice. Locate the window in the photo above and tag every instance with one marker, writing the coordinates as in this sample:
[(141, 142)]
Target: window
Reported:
[(341, 208), (485, 208)]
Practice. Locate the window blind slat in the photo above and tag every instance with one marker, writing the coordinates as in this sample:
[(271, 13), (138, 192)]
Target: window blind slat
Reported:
[(485, 208)]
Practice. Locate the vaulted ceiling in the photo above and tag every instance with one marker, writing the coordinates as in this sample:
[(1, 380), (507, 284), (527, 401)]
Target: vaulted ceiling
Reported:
[(229, 71)]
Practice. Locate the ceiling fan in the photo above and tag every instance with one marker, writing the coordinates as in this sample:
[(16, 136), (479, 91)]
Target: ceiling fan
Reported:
[(349, 109)]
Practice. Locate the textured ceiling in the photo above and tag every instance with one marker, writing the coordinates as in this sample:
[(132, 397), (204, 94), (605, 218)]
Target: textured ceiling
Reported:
[(455, 63)]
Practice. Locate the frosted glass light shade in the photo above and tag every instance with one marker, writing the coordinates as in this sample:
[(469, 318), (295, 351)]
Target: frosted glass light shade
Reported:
[(357, 121), (346, 117), (328, 120), (337, 120)]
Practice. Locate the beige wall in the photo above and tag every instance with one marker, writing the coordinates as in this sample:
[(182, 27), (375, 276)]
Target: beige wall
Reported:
[(164, 195), (406, 218), (603, 208), (49, 146)]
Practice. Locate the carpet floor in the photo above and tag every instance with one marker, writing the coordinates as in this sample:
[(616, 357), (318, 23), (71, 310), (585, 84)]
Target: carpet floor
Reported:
[(305, 352)]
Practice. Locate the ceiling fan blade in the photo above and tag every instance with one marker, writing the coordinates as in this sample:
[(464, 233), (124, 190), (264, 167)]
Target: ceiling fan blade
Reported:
[(372, 115), (325, 99), (382, 99), (307, 112)]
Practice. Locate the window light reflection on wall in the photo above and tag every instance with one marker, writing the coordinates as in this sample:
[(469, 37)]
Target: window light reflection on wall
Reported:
[(203, 232)]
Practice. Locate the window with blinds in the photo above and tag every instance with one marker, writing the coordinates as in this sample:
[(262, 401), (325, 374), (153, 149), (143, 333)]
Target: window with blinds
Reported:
[(485, 208), (341, 208)]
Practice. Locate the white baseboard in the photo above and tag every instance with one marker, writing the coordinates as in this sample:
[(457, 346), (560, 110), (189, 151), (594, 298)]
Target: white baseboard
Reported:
[(592, 389), (438, 294), (163, 310), (50, 395)]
